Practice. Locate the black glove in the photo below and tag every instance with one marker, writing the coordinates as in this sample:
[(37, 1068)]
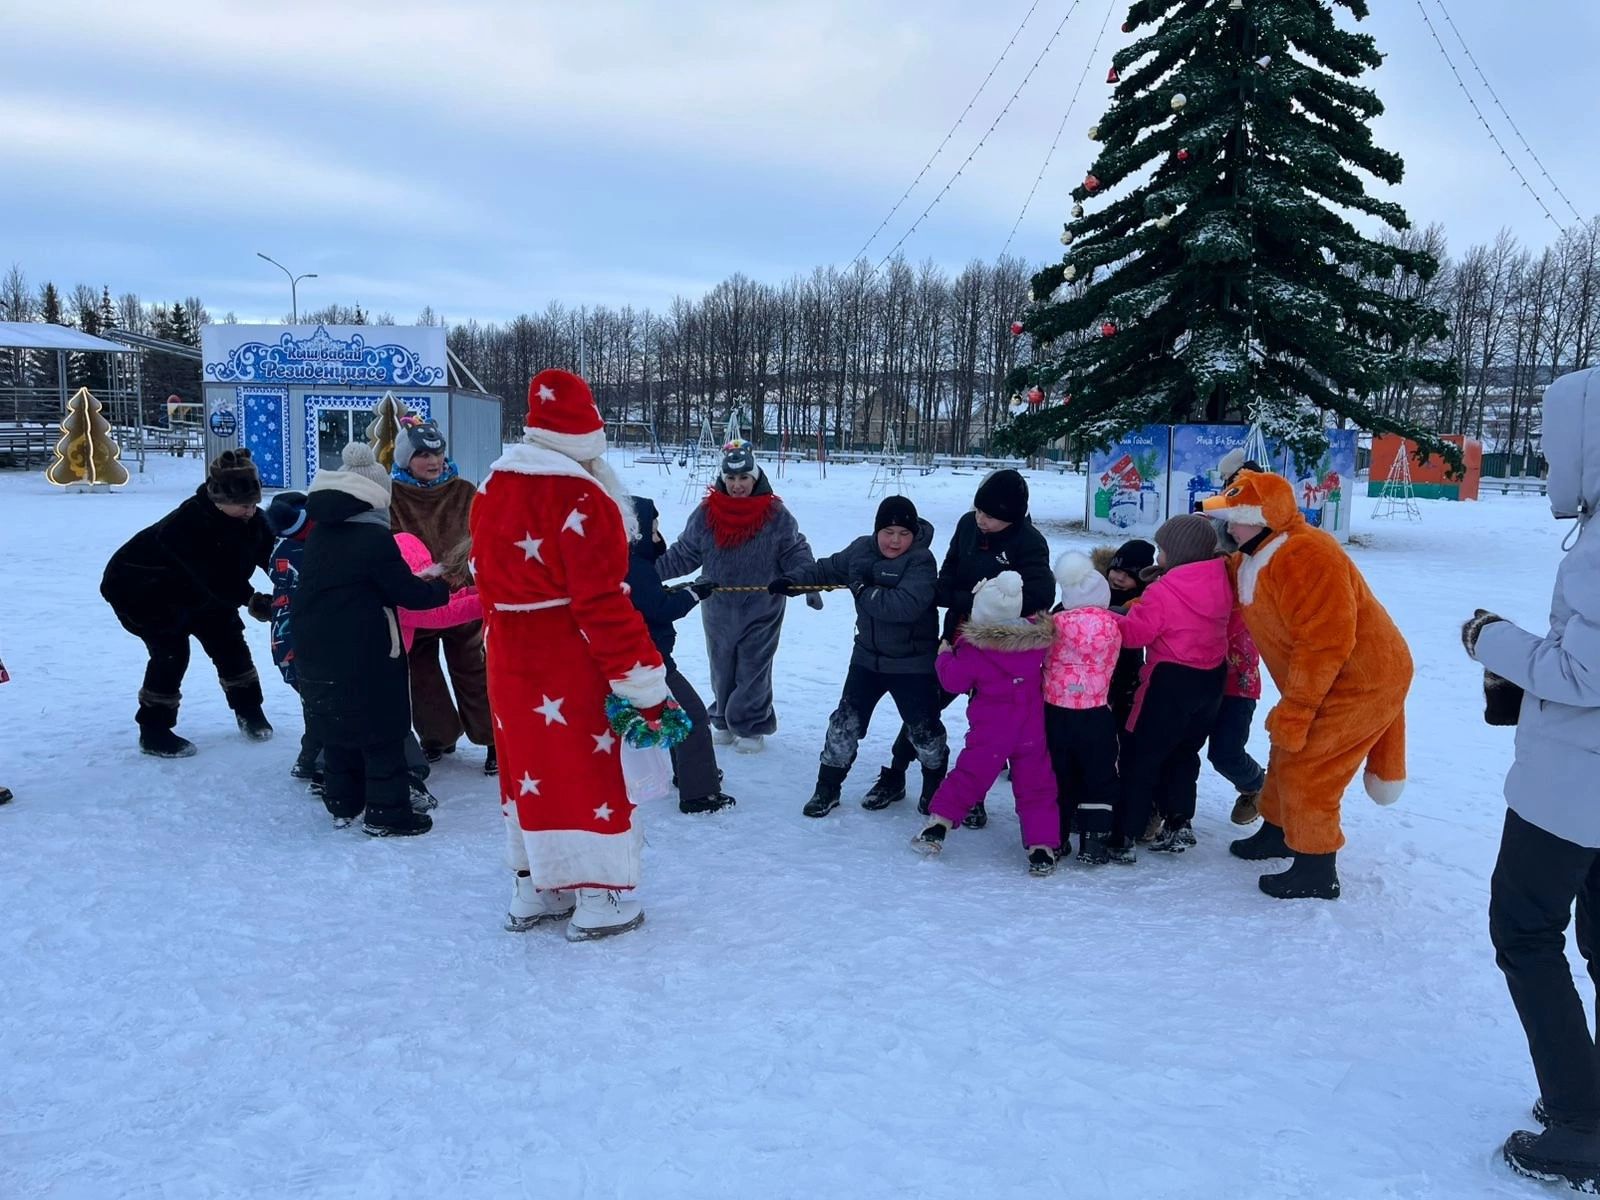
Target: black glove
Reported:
[(781, 586), (702, 588), (1473, 626), (259, 606), (1502, 700)]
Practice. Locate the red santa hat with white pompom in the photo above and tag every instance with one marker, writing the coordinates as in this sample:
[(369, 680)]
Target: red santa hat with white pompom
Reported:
[(562, 416)]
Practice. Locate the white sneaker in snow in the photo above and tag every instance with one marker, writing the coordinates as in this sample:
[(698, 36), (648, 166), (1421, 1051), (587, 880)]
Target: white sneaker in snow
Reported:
[(601, 913), (530, 906), (721, 737), (754, 744)]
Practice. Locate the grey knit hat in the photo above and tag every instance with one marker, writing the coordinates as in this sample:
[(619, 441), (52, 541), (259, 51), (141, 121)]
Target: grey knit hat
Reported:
[(360, 474), (1187, 539)]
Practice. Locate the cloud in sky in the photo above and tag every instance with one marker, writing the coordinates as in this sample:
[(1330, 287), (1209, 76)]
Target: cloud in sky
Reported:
[(489, 157)]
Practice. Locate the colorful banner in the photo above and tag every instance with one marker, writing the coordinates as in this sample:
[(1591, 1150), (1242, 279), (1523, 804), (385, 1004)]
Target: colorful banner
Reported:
[(1324, 487), (1196, 451), (349, 355), (1128, 484)]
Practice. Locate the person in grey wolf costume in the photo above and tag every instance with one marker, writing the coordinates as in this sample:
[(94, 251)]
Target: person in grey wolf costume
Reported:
[(741, 535)]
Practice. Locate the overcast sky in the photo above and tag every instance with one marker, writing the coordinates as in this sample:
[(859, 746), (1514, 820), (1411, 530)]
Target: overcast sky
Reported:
[(489, 157)]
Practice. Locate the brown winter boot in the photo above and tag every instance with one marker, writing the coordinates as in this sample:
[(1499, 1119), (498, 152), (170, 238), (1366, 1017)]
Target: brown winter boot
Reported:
[(1246, 808)]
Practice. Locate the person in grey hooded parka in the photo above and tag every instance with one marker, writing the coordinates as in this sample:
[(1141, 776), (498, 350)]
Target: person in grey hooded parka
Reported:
[(741, 535), (1550, 845)]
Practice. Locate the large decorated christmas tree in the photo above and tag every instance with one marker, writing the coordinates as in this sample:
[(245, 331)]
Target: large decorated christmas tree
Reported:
[(1212, 271)]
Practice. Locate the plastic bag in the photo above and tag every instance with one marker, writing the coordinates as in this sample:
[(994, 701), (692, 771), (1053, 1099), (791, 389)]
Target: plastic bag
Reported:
[(647, 773)]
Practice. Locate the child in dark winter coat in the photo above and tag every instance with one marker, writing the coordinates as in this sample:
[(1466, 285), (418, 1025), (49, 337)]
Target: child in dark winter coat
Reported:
[(287, 517), (1079, 723), (1123, 568), (892, 576), (187, 576), (995, 536), (1182, 619), (349, 653), (694, 761), (998, 658)]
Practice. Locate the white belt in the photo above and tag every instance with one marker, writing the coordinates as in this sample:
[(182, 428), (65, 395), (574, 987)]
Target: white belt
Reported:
[(542, 604)]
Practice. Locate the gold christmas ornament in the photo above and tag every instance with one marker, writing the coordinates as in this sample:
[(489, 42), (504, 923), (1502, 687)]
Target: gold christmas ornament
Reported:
[(385, 427)]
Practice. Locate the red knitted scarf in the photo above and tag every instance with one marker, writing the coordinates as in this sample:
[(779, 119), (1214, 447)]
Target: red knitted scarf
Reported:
[(735, 521)]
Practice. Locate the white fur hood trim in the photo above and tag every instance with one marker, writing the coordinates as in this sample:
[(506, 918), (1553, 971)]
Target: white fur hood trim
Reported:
[(524, 458)]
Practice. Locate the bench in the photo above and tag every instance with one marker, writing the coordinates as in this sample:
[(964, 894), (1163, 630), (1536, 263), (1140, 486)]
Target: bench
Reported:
[(23, 445), (1521, 487)]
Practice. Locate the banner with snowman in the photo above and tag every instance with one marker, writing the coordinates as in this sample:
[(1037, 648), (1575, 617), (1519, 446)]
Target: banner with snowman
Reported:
[(1128, 484), (1322, 486)]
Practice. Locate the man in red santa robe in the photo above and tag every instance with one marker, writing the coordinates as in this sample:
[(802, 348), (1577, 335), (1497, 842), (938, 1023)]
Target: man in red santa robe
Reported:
[(550, 533)]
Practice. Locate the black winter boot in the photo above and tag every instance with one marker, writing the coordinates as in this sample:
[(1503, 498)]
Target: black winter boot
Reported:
[(1266, 842), (930, 785), (826, 798), (422, 800), (491, 762), (253, 723), (1558, 1155), (163, 743), (1312, 877), (405, 823), (1041, 861), (891, 787), (307, 773), (977, 818), (1092, 850), (715, 802)]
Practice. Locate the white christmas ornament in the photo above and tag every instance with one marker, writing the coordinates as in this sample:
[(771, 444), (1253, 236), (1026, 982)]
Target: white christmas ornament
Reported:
[(1066, 237), (1236, 5), (1071, 273), (1163, 221), (1264, 61), (1077, 210), (1179, 101), (1094, 133)]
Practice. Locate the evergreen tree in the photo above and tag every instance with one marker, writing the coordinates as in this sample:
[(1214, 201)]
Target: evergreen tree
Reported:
[(1223, 283), (86, 370), (108, 310), (50, 310)]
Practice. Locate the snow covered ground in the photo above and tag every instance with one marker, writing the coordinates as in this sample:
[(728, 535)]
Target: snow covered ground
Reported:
[(207, 991)]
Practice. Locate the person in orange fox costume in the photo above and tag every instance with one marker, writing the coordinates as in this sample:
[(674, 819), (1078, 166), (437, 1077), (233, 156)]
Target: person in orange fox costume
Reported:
[(1342, 670)]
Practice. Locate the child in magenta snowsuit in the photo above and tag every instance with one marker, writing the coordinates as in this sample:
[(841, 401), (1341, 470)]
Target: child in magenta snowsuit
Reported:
[(1079, 723), (463, 605), (999, 658), (1182, 623)]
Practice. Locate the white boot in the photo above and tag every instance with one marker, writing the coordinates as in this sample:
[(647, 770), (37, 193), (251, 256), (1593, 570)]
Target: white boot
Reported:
[(721, 737), (753, 744), (530, 906), (601, 913)]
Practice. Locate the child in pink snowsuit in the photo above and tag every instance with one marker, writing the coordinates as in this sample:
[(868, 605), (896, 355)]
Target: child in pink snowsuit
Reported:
[(999, 658), (462, 607), (1078, 720)]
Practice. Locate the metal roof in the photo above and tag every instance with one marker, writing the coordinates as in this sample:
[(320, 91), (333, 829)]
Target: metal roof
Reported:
[(38, 335)]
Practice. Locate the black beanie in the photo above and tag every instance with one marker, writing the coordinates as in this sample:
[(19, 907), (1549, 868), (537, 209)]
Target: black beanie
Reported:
[(1003, 496), (896, 510), (1133, 557), (287, 513), (232, 479)]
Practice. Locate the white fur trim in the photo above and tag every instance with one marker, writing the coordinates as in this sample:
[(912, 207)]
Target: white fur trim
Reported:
[(1384, 791), (580, 447), (1254, 564), (351, 484), (1243, 514), (568, 858), (530, 458), (642, 686), (538, 607)]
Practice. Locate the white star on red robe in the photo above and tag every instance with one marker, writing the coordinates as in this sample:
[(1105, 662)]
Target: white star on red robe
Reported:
[(529, 545), (529, 785), (603, 813), (603, 742), (546, 393), (550, 710), (574, 522)]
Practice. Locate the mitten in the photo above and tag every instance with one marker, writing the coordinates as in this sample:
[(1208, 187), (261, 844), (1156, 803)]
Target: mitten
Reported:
[(1502, 700), (702, 588), (259, 606), (1473, 626), (781, 586), (1288, 725), (814, 600), (665, 724)]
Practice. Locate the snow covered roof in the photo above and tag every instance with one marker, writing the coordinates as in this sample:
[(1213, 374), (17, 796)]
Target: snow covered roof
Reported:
[(39, 335)]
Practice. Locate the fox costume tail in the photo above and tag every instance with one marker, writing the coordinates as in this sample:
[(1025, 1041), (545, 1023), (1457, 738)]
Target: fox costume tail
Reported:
[(1385, 776)]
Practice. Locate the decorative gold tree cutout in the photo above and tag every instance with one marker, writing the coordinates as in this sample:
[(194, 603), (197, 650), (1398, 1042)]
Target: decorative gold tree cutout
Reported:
[(385, 427), (87, 455)]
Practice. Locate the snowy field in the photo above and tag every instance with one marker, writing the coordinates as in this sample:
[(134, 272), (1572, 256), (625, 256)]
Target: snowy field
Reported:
[(210, 992)]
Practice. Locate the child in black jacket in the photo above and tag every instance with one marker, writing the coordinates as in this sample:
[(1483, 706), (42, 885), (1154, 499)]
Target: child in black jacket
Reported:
[(893, 578), (354, 682), (187, 576), (694, 761)]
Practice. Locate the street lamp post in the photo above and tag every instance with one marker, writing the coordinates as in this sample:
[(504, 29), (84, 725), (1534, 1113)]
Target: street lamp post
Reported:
[(294, 281)]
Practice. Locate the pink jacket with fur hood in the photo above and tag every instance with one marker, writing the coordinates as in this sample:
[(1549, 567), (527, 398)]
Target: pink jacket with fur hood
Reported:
[(1182, 618), (463, 606)]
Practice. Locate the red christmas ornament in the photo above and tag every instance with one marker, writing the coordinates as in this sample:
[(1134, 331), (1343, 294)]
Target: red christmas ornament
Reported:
[(1091, 183), (1127, 27), (1112, 76), (1183, 156), (1109, 329), (1067, 399), (1016, 328), (1036, 396)]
